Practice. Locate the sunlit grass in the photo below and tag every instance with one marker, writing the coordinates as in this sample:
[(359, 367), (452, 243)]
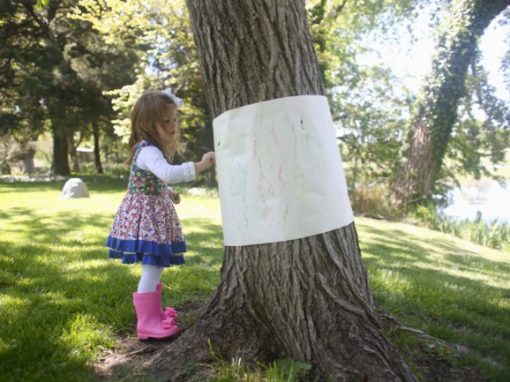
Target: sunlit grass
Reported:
[(445, 286), (62, 301)]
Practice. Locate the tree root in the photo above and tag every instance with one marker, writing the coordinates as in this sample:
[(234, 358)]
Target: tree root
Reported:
[(397, 325), (306, 299)]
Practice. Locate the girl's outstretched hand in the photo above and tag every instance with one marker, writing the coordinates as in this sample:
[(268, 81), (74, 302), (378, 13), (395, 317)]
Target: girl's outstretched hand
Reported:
[(208, 158), (206, 162)]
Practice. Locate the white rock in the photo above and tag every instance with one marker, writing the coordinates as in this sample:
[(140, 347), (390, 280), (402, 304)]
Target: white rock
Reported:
[(75, 188)]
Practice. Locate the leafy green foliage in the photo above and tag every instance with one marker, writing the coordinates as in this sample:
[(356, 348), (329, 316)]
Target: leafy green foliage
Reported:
[(59, 68), (372, 119), (475, 139), (168, 59)]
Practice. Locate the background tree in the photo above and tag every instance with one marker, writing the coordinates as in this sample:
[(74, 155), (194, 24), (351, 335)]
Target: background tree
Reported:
[(307, 298), (372, 118), (57, 70), (437, 109), (21, 113), (167, 58)]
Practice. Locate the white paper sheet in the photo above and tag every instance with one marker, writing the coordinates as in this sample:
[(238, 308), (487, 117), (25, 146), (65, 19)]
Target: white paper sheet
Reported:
[(279, 171)]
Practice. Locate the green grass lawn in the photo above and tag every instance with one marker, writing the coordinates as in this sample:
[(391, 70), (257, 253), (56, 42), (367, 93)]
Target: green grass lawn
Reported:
[(62, 301)]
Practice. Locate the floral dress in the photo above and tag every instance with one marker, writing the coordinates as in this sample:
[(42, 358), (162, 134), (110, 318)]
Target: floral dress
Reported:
[(146, 228)]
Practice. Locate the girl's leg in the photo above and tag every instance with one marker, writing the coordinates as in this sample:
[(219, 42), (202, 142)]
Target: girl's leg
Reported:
[(151, 321), (151, 275)]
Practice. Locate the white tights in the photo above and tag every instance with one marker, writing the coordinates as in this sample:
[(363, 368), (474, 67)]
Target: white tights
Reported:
[(150, 278)]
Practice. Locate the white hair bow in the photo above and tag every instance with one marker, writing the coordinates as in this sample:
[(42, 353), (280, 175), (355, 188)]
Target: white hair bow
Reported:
[(178, 101)]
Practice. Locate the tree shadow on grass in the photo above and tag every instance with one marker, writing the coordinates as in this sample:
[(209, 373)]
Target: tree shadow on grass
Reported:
[(66, 227), (53, 281), (445, 290), (44, 307), (205, 239), (399, 246)]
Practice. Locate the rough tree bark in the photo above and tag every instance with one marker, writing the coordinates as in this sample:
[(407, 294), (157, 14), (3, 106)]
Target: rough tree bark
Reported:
[(308, 298), (444, 86)]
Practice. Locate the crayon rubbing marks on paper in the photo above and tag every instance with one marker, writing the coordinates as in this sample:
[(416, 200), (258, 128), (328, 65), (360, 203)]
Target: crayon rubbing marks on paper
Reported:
[(244, 187), (275, 137), (239, 186), (294, 138), (263, 181)]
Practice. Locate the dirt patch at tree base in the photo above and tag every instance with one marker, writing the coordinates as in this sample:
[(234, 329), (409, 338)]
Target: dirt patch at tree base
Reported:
[(434, 367), (433, 360), (128, 362)]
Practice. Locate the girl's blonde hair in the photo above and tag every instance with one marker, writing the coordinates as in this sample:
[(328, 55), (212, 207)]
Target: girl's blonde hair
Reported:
[(149, 111)]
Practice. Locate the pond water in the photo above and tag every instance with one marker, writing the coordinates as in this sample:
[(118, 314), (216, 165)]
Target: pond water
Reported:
[(485, 198)]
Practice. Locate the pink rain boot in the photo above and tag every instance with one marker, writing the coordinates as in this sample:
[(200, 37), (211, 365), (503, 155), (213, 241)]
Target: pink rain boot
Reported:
[(150, 324), (169, 312)]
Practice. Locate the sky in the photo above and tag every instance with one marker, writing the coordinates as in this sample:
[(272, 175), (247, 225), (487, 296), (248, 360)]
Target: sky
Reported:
[(493, 47)]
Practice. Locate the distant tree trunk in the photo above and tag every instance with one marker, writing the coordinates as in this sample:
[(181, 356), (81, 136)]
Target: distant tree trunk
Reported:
[(60, 162), (73, 153), (57, 100), (437, 111), (97, 152), (307, 298), (28, 160), (28, 147), (5, 168), (26, 154)]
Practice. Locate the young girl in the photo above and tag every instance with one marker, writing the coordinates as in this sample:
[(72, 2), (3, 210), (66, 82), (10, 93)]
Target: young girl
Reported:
[(146, 228)]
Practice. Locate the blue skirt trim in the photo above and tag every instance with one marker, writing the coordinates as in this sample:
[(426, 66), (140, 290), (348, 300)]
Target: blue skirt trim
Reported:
[(146, 252)]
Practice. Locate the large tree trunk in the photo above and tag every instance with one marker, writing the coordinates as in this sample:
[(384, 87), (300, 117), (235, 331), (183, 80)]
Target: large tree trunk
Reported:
[(308, 298), (437, 111)]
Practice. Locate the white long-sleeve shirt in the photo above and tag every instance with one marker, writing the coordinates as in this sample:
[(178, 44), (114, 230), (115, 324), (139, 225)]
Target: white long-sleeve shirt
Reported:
[(151, 158)]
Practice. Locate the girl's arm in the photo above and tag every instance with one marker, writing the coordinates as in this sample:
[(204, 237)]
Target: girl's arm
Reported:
[(150, 158)]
